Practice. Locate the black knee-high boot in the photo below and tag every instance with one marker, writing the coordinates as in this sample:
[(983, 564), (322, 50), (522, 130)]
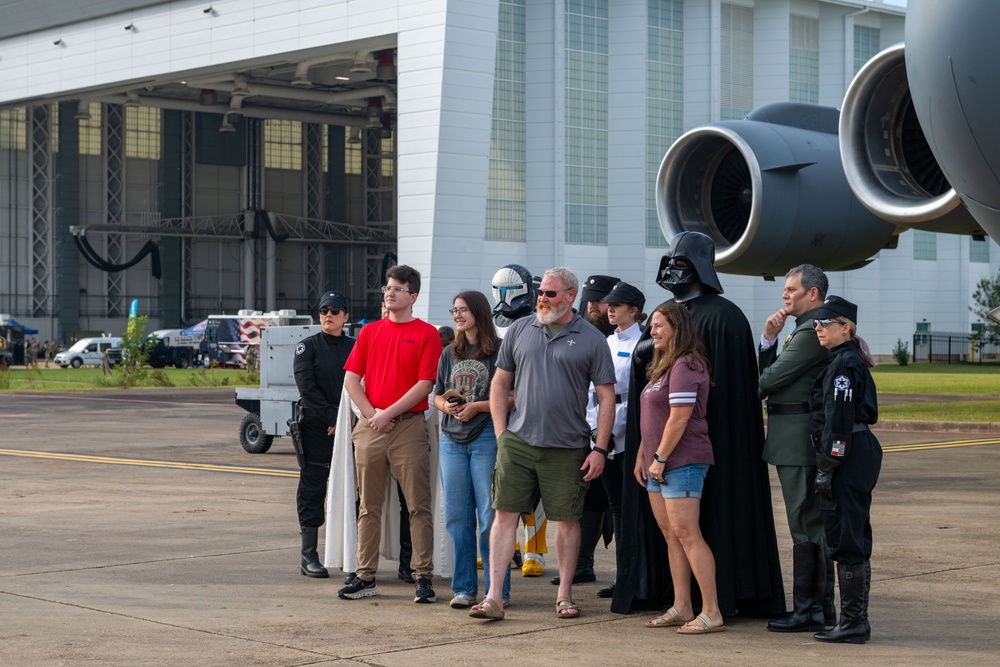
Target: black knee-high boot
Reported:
[(808, 575), (851, 627), (829, 608), (311, 567)]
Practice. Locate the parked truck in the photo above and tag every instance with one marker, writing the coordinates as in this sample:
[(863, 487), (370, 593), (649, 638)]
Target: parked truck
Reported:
[(271, 405), (228, 338), (165, 347)]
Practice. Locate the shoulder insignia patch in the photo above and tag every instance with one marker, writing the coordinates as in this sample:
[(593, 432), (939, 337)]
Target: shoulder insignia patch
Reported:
[(838, 448), (300, 348), (842, 385)]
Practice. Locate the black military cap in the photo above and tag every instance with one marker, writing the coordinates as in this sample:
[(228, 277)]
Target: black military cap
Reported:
[(334, 300), (627, 294), (596, 288), (836, 306)]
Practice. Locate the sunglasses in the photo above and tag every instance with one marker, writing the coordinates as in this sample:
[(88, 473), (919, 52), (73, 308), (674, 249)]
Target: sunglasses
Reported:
[(551, 293), (825, 323), (329, 311)]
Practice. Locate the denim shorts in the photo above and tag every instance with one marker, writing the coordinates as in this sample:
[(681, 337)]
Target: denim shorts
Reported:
[(684, 482)]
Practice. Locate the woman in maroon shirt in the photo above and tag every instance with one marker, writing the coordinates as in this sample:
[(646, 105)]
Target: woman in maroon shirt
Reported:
[(676, 455)]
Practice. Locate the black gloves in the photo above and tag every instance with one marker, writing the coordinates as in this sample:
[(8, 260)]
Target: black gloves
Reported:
[(824, 476)]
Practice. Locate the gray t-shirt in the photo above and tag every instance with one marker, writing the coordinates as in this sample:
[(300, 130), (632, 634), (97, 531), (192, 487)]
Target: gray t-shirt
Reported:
[(471, 378), (552, 376)]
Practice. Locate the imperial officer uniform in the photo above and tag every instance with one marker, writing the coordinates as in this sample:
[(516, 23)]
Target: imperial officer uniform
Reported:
[(849, 458), (785, 381), (319, 375)]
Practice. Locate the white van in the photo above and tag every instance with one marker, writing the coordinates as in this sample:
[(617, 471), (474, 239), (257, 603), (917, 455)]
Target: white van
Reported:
[(87, 351)]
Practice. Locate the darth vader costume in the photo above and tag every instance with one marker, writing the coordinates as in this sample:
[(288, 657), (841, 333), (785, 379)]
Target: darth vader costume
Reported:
[(737, 520)]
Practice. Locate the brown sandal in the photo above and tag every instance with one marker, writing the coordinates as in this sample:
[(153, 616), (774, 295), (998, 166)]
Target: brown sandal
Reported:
[(487, 609), (671, 619), (566, 608)]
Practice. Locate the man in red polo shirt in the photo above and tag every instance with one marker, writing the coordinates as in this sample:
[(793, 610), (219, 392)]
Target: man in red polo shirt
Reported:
[(397, 357)]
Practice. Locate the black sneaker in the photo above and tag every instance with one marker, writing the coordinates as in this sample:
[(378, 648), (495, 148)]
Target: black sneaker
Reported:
[(359, 588), (425, 594)]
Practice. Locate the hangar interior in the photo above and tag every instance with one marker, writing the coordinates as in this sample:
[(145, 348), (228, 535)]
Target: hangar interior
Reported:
[(255, 187)]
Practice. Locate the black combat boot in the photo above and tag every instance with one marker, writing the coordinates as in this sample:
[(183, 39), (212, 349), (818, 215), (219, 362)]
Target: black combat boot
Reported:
[(807, 611), (311, 567), (591, 525), (851, 627)]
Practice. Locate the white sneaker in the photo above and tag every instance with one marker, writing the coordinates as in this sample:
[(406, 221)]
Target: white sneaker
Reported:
[(463, 601)]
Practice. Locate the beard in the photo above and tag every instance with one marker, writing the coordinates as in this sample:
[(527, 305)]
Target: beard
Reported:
[(600, 320), (546, 314)]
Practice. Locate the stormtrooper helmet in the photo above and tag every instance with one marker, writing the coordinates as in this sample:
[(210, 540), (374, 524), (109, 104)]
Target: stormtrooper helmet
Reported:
[(513, 292)]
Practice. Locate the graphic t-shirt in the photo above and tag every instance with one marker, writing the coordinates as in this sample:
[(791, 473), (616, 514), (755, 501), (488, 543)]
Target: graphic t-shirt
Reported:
[(471, 378)]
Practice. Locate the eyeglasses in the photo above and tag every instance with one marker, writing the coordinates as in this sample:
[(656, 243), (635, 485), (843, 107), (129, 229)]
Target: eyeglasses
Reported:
[(825, 323), (329, 311), (550, 293), (458, 311), (395, 290)]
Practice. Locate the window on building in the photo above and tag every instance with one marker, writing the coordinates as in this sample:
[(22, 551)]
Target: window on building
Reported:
[(506, 214), (803, 60), (664, 97), (90, 131), (586, 192), (924, 245), (736, 61), (866, 45), (979, 250), (142, 132), (282, 144), (13, 128)]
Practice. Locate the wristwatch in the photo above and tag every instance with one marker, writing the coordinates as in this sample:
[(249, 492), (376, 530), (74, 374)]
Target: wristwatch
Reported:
[(600, 450), (658, 458)]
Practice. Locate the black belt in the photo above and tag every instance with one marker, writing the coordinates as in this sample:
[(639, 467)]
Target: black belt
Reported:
[(859, 427), (619, 398), (787, 408)]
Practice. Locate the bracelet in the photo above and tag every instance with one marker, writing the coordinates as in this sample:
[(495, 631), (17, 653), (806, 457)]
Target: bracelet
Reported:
[(603, 452)]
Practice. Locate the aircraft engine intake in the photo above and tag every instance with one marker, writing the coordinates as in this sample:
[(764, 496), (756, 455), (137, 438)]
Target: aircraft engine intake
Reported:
[(770, 192)]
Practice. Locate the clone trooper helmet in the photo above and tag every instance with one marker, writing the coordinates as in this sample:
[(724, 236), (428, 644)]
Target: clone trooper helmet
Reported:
[(691, 261), (513, 292)]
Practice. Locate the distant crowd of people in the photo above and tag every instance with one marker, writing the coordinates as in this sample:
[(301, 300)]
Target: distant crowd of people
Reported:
[(647, 433)]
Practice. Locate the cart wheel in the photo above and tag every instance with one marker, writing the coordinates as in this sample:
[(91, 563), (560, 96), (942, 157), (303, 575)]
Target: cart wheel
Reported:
[(252, 435)]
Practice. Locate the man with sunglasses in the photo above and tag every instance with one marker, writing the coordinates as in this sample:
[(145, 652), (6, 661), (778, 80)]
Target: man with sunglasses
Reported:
[(397, 357), (544, 448), (785, 381), (319, 375)]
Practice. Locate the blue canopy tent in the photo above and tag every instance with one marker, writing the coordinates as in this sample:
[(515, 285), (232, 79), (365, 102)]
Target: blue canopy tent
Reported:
[(27, 330)]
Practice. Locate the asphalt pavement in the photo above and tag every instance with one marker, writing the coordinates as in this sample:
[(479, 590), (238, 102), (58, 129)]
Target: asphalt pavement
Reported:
[(134, 530)]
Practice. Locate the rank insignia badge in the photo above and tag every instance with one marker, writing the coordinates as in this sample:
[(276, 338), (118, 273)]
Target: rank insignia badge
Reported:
[(838, 449)]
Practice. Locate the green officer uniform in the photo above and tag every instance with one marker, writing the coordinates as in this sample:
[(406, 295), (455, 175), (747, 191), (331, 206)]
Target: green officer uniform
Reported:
[(785, 381)]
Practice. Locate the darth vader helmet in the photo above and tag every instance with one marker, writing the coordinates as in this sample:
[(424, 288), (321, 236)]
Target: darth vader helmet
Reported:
[(691, 261), (513, 292)]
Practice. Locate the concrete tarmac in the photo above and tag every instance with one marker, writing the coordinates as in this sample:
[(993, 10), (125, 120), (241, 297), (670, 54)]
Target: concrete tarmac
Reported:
[(134, 530)]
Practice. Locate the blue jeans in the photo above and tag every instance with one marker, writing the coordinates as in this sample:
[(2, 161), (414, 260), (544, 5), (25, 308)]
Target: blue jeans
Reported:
[(466, 477)]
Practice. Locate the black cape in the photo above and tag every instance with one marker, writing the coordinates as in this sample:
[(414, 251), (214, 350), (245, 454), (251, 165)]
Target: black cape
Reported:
[(736, 516)]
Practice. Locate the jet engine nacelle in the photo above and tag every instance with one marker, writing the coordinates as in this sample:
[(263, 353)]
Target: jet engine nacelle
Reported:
[(953, 63), (770, 191), (887, 159)]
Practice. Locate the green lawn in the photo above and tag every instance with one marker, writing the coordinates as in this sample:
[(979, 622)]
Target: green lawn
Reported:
[(78, 379), (958, 411), (937, 379)]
